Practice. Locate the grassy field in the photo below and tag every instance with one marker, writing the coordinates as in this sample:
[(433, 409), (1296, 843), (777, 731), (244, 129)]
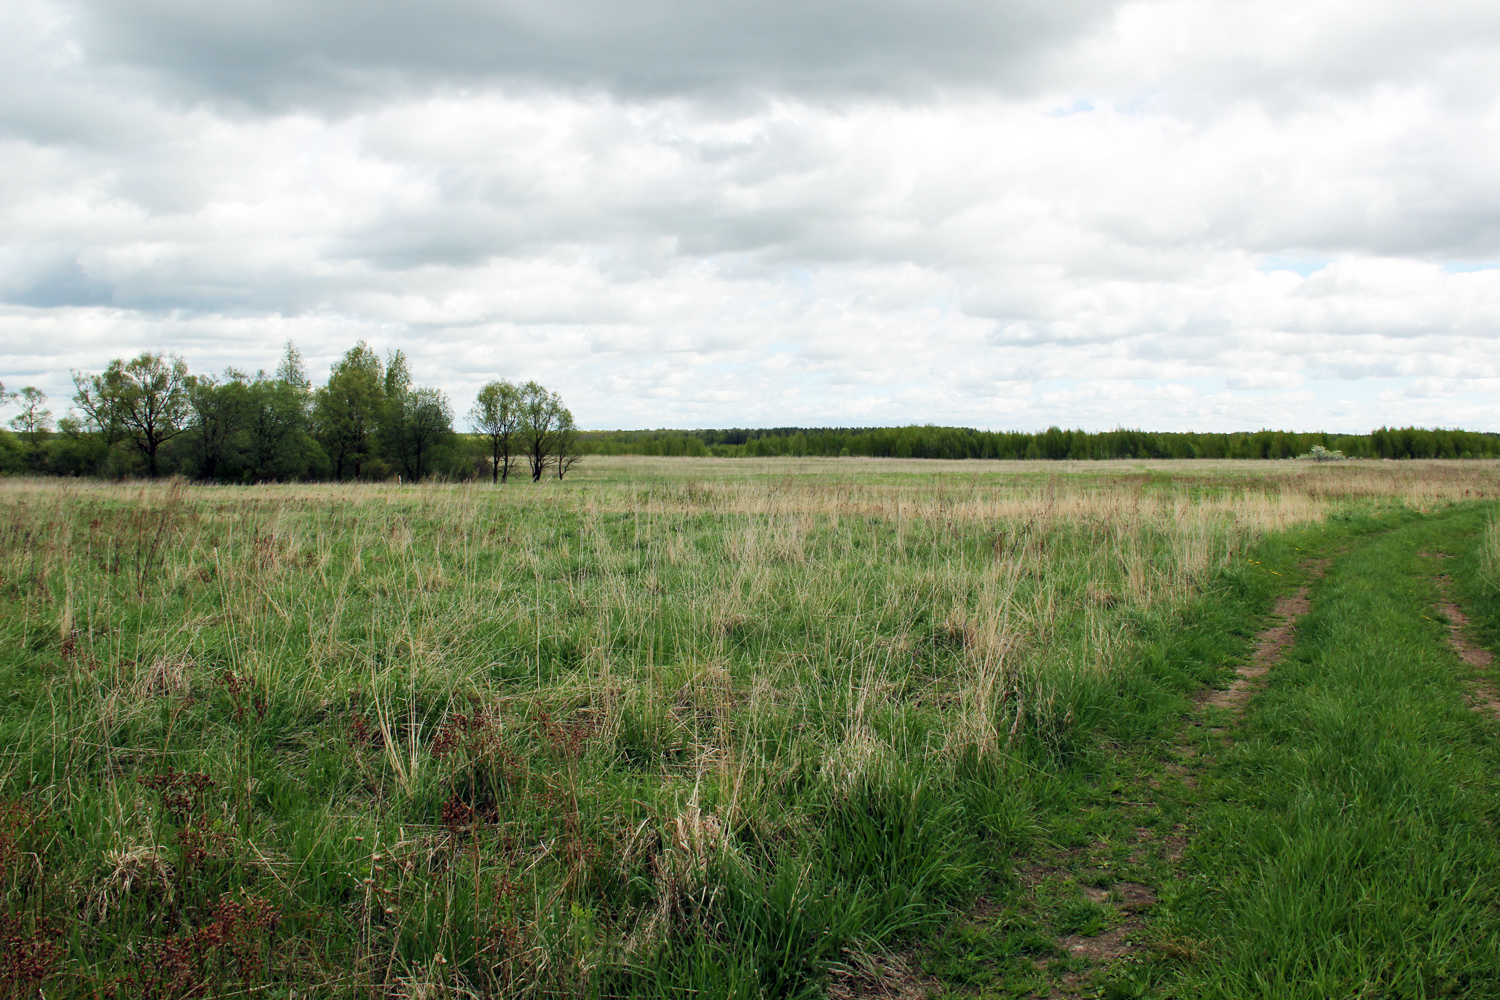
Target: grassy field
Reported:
[(749, 728)]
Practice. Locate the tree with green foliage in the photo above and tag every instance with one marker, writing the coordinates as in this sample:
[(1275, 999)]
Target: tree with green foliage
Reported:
[(218, 409), (427, 429), (417, 420), (73, 450), (292, 372), (278, 445), (144, 400), (94, 395), (394, 415), (32, 423), (565, 453), (35, 419), (348, 410), (540, 415), (496, 415)]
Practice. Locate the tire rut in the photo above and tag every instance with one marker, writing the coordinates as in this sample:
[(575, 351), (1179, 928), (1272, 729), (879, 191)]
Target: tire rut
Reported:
[(1271, 643), (1128, 933), (1131, 934), (1487, 697)]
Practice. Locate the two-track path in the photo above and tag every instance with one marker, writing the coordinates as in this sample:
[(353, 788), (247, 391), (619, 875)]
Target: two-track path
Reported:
[(1339, 835), (1342, 843)]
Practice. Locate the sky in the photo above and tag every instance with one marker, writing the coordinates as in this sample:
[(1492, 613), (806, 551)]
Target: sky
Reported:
[(1170, 214)]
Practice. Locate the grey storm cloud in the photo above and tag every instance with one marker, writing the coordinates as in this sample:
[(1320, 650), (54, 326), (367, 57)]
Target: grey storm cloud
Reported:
[(296, 53)]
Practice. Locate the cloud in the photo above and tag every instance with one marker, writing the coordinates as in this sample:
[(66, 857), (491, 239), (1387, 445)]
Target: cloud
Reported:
[(735, 213), (295, 54)]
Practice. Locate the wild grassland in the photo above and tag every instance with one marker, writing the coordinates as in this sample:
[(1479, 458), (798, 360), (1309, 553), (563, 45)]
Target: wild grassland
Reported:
[(669, 726)]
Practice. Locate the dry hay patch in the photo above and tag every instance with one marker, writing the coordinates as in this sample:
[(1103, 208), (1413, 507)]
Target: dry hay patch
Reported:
[(882, 977)]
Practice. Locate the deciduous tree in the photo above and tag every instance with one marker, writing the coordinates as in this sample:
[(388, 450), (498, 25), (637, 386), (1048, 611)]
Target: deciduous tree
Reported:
[(565, 453), (496, 415), (417, 420), (428, 426), (538, 420), (145, 400), (35, 419), (278, 445), (219, 411), (348, 409)]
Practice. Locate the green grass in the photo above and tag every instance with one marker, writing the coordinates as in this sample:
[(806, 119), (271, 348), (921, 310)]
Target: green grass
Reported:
[(644, 735), (1348, 844)]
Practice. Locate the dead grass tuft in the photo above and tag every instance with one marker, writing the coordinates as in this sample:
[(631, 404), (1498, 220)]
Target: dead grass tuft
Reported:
[(137, 873)]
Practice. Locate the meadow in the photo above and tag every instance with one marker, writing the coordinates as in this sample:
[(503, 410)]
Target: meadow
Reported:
[(744, 728)]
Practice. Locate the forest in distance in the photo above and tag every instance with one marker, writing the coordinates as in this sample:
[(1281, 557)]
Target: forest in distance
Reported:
[(150, 416), (1055, 444)]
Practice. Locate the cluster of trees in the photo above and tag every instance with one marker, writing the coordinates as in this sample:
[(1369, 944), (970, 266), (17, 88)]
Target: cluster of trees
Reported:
[(150, 416), (1053, 443)]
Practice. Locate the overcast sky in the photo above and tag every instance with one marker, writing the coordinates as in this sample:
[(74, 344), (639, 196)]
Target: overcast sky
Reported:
[(689, 213)]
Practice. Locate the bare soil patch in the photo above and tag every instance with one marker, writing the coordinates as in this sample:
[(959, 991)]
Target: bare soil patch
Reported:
[(1118, 940), (1271, 643), (1487, 696)]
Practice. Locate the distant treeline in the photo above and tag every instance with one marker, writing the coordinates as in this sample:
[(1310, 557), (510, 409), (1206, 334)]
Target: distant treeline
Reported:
[(150, 416), (928, 441)]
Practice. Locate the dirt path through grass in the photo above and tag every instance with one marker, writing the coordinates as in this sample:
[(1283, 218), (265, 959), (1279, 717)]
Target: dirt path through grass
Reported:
[(1271, 643), (1081, 923), (1343, 843), (1486, 695)]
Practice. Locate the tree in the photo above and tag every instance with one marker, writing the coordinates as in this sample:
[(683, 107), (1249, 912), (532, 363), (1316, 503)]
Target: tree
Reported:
[(218, 420), (277, 443), (538, 421), (347, 411), (34, 420), (74, 451), (496, 414), (292, 371), (565, 453), (417, 420), (428, 425), (94, 395), (144, 400), (393, 415)]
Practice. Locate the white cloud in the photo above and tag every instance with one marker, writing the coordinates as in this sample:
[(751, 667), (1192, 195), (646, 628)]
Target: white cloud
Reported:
[(1248, 214)]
